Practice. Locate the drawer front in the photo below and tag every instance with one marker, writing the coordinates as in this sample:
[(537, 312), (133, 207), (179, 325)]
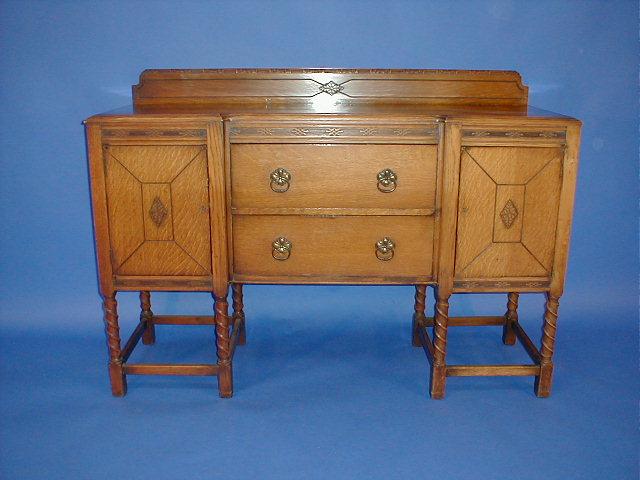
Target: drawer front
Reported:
[(333, 176), (317, 246)]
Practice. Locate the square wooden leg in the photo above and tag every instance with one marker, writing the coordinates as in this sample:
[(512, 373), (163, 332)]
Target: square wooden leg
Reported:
[(116, 372), (146, 316), (223, 347), (118, 380), (438, 369)]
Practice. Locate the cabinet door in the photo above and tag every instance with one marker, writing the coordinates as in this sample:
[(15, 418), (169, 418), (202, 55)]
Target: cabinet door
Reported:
[(508, 211), (158, 206)]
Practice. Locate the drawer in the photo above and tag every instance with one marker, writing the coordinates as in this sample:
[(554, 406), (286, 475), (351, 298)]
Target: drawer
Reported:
[(333, 176), (332, 246)]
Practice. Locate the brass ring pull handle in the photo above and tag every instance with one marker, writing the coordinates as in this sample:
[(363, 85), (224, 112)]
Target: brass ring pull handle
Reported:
[(280, 180), (281, 248), (387, 180), (385, 249)]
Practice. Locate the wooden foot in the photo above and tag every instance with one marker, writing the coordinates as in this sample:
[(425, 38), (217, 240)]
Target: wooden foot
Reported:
[(116, 372), (543, 381), (419, 308), (146, 316), (118, 380), (223, 347), (511, 317), (238, 312), (438, 369)]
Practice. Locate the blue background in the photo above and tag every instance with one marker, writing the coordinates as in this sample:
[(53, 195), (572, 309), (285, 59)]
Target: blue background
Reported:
[(328, 385)]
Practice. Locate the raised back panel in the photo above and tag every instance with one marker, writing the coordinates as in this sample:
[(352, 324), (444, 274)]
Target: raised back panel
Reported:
[(326, 88)]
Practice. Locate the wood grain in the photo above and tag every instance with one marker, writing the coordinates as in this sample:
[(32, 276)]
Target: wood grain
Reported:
[(154, 164), (191, 205)]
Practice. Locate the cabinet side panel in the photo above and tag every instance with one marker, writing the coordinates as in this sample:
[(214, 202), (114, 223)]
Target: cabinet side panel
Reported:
[(99, 208), (565, 211)]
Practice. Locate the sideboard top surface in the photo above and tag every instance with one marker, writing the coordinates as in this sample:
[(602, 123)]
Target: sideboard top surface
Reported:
[(366, 92)]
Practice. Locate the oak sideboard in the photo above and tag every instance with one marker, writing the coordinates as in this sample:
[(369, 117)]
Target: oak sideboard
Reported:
[(213, 179)]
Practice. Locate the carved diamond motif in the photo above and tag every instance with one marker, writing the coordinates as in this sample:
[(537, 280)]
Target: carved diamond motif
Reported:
[(158, 211), (509, 214), (331, 88)]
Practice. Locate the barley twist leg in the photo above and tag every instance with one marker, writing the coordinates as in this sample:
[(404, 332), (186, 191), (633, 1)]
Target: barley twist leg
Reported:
[(146, 316), (543, 381), (510, 318), (223, 347), (116, 371), (438, 369), (418, 315), (238, 312)]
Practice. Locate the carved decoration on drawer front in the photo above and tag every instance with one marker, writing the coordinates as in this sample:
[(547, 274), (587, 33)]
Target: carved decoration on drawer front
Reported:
[(334, 131), (509, 214), (513, 134), (158, 212), (331, 88)]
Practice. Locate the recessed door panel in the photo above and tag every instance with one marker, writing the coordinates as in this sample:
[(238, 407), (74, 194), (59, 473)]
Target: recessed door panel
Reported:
[(158, 206), (508, 211)]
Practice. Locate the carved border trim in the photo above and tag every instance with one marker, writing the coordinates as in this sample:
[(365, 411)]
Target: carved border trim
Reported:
[(163, 283), (514, 134), (333, 131), (127, 133), (505, 285)]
